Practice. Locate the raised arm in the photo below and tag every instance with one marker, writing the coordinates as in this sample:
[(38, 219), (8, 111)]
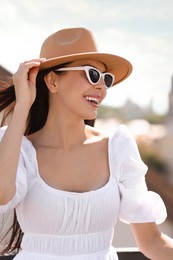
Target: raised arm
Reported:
[(25, 90), (151, 242)]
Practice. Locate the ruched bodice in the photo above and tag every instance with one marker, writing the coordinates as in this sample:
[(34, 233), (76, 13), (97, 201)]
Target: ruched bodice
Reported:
[(66, 225)]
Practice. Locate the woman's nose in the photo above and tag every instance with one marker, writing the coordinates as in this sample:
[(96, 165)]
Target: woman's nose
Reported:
[(100, 84)]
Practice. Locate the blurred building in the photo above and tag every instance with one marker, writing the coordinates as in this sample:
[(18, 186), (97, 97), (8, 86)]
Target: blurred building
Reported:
[(167, 142)]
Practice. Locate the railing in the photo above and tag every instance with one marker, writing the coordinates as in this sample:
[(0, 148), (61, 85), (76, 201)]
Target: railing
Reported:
[(123, 254), (130, 254)]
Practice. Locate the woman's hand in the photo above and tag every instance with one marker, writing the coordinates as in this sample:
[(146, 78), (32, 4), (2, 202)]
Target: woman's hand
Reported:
[(25, 82)]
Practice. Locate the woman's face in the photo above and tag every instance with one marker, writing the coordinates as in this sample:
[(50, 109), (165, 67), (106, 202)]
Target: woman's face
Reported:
[(76, 95)]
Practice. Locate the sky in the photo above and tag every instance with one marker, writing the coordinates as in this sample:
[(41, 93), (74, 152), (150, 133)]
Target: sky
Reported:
[(139, 30)]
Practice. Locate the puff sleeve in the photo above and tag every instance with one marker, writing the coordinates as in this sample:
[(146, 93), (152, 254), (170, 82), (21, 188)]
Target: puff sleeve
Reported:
[(21, 182), (137, 204)]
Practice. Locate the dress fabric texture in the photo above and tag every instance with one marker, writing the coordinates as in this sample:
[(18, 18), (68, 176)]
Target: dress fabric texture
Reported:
[(63, 225)]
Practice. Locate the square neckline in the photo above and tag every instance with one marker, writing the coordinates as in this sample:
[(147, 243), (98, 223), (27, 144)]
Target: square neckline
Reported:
[(74, 193)]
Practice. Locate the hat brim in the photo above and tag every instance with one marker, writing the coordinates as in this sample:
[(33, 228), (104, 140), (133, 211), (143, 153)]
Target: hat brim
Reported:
[(120, 67)]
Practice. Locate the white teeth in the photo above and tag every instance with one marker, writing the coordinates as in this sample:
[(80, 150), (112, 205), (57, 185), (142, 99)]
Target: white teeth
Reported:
[(92, 99)]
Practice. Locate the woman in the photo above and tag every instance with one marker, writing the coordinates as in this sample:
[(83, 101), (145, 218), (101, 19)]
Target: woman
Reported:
[(68, 181)]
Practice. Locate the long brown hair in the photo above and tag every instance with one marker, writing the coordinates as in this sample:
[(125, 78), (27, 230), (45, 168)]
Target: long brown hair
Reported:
[(36, 120)]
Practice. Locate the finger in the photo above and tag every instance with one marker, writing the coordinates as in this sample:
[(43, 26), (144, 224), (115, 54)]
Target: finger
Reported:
[(33, 74), (24, 69), (33, 60), (27, 65)]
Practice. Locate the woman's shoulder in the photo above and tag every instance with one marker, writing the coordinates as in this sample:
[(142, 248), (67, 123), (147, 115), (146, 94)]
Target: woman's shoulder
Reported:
[(119, 131), (96, 133), (26, 148), (118, 139)]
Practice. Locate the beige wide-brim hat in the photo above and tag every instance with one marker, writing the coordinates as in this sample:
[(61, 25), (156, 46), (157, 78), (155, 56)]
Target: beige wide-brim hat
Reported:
[(73, 44)]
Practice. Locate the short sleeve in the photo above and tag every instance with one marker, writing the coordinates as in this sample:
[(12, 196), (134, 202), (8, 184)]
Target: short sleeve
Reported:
[(21, 182), (137, 203)]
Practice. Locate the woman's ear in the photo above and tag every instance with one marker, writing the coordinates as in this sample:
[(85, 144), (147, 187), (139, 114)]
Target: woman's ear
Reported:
[(51, 82)]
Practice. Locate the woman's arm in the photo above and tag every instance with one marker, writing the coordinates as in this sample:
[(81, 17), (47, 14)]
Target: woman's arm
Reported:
[(24, 82), (151, 242)]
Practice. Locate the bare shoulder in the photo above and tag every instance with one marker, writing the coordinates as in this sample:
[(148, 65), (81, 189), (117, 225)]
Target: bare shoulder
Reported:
[(97, 134)]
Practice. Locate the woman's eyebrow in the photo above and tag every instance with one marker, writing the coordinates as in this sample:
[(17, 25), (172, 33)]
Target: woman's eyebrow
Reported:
[(94, 67)]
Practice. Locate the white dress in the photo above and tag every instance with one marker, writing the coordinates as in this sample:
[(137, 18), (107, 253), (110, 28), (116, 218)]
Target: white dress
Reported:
[(62, 225)]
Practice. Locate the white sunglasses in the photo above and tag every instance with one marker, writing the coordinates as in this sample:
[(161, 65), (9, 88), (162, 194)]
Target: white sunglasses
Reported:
[(93, 75)]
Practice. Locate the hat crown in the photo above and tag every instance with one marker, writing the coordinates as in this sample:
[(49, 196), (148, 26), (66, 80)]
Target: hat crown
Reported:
[(68, 42)]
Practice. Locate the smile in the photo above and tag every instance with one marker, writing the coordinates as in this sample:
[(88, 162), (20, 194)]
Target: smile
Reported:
[(93, 100)]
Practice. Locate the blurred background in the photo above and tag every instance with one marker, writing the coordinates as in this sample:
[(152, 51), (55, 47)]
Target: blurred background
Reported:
[(140, 31)]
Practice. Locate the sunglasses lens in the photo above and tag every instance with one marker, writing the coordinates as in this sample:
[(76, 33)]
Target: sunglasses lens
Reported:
[(108, 80), (94, 76)]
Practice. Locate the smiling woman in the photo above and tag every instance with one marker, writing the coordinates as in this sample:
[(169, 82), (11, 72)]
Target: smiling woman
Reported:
[(69, 182)]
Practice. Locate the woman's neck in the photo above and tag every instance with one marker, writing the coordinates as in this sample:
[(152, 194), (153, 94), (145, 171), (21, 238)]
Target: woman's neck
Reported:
[(62, 133)]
